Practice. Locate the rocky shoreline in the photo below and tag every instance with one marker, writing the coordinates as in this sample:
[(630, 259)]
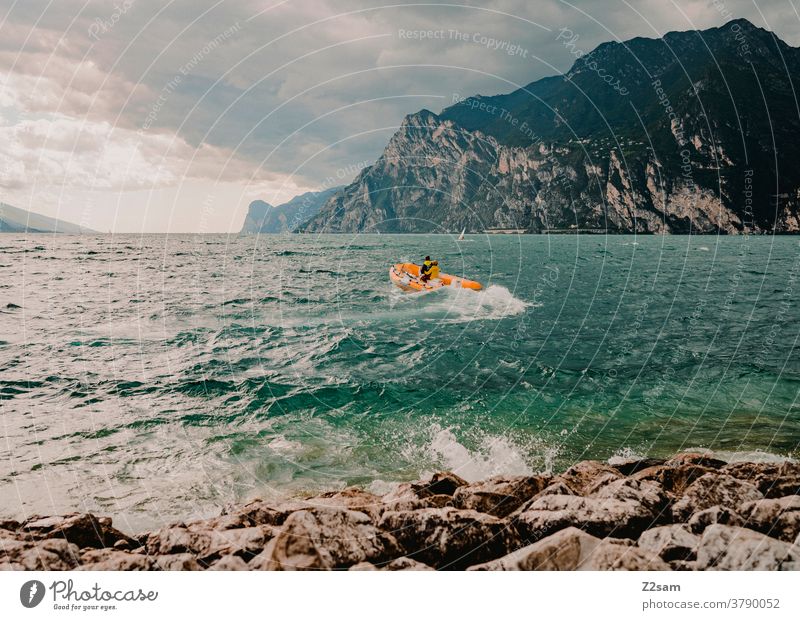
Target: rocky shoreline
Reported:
[(690, 512)]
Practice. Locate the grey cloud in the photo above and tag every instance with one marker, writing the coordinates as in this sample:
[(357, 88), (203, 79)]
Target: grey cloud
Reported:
[(234, 95)]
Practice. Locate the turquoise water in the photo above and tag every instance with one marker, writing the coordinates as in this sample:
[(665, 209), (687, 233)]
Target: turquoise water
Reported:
[(159, 377)]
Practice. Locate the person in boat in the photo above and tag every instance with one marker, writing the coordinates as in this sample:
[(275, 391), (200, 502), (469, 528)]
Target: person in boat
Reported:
[(425, 269), (432, 273)]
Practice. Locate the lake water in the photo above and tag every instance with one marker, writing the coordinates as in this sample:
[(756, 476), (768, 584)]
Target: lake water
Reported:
[(160, 377)]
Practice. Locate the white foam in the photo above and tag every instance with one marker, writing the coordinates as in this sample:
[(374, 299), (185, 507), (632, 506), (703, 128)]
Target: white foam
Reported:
[(494, 302), (281, 445), (381, 487), (624, 454), (754, 456), (495, 455)]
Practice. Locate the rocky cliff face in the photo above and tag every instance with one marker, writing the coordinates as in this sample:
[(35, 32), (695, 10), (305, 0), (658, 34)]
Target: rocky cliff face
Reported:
[(696, 132), (263, 218)]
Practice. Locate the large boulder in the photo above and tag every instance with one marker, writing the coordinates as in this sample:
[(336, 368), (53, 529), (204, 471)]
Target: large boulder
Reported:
[(351, 498), (209, 545), (703, 459), (398, 564), (714, 490), (670, 542), (325, 539), (556, 487), (772, 479), (260, 512), (622, 509), (111, 559), (587, 476), (629, 466), (724, 547), (574, 549), (405, 563), (779, 518), (82, 529), (700, 520), (436, 492), (673, 479), (499, 496), (177, 562), (230, 563), (448, 537), (647, 492), (50, 554)]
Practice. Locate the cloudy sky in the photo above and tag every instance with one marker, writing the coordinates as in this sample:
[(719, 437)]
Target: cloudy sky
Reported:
[(171, 116)]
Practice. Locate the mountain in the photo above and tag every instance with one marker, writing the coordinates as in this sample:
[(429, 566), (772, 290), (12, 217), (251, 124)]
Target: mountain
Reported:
[(696, 132), (20, 221), (263, 218)]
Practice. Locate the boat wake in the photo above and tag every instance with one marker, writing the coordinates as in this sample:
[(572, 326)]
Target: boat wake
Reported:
[(493, 303), (454, 305)]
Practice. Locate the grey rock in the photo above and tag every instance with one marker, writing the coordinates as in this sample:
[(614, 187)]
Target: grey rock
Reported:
[(11, 566), (209, 544), (177, 561), (674, 479), (111, 559), (622, 509), (695, 458), (351, 499), (84, 530), (610, 556), (50, 554), (671, 542), (324, 539), (230, 562), (630, 466), (398, 564), (408, 501), (647, 492), (499, 496), (700, 520), (588, 476), (779, 488), (772, 479), (779, 518), (556, 487), (574, 549), (363, 566), (259, 512), (714, 490), (724, 547), (405, 563), (440, 484), (448, 537)]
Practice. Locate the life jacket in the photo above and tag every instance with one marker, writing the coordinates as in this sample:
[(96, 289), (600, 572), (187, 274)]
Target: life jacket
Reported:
[(426, 267), (434, 271)]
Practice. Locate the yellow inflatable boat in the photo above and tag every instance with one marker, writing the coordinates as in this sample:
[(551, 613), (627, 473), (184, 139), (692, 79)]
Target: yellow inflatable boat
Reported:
[(406, 276)]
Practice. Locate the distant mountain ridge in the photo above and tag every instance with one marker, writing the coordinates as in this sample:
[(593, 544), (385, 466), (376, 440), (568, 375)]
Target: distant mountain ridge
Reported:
[(697, 132), (263, 218), (15, 220)]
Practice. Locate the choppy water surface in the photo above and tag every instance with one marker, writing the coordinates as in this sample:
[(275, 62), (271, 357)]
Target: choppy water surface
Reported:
[(159, 377)]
